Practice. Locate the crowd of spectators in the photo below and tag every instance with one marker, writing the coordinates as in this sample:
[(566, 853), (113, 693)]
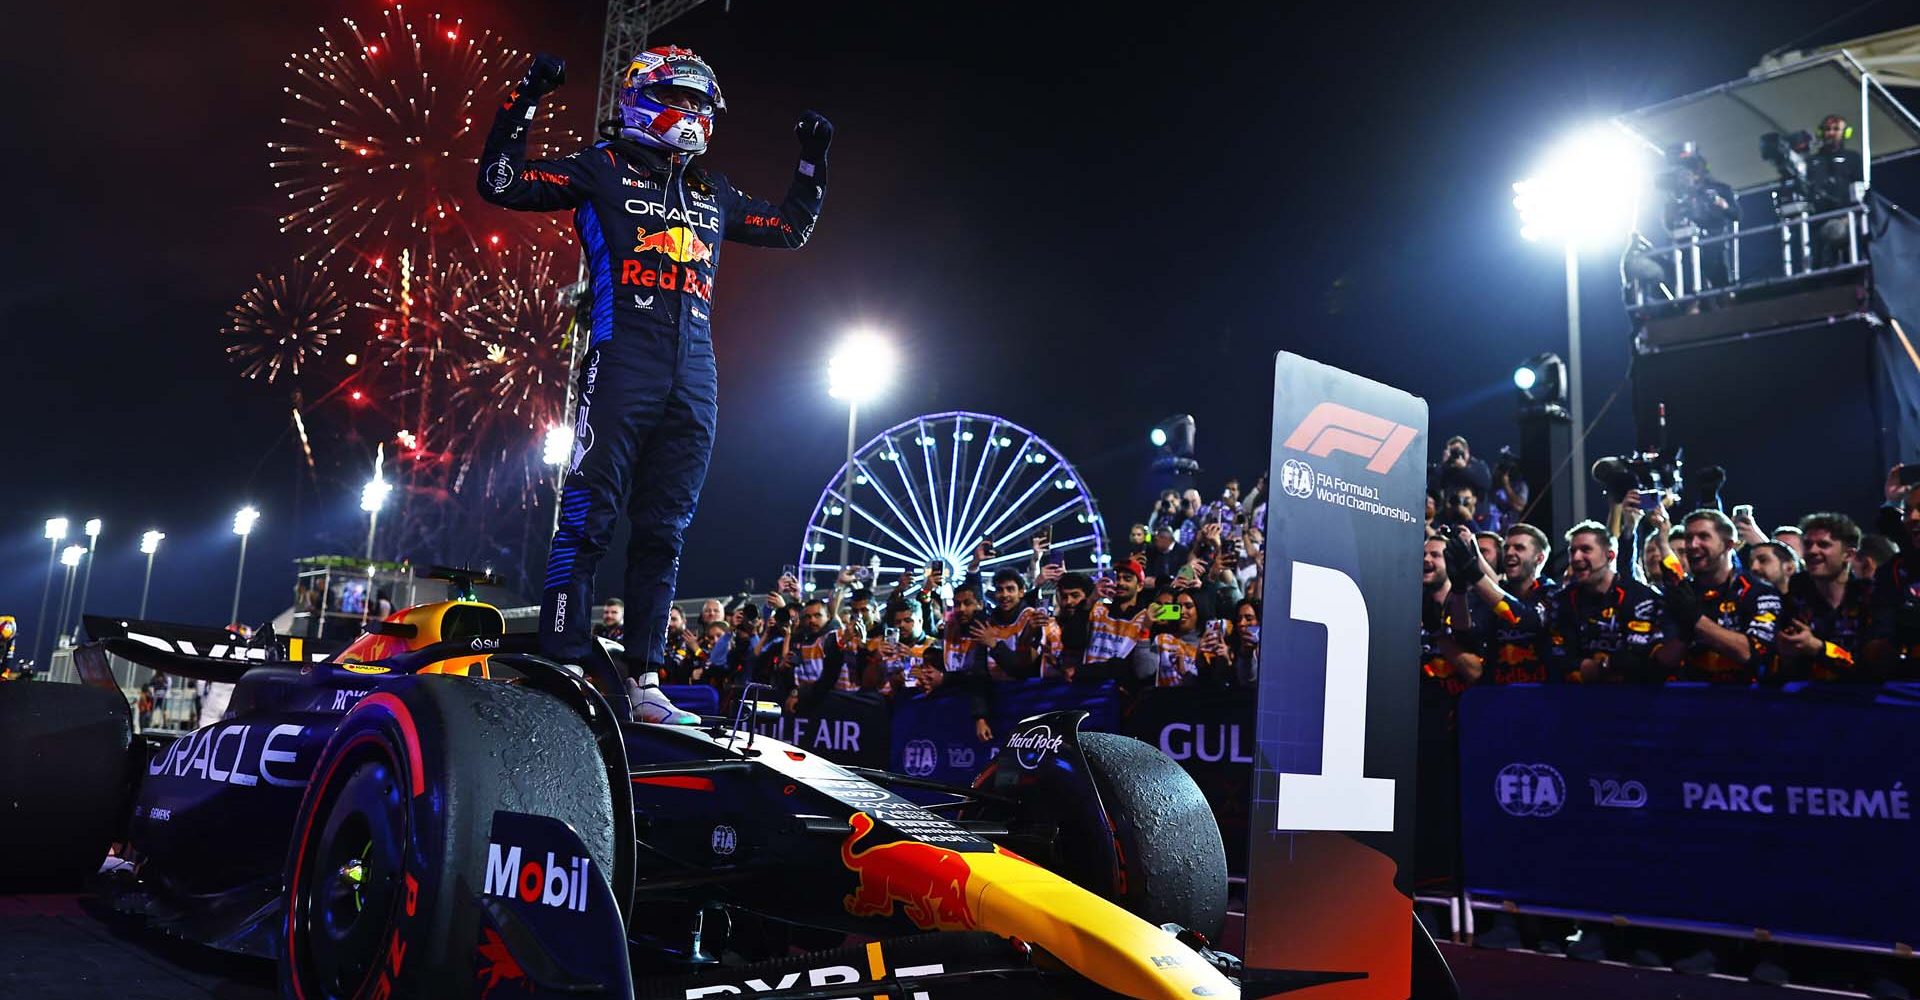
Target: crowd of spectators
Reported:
[(1178, 605)]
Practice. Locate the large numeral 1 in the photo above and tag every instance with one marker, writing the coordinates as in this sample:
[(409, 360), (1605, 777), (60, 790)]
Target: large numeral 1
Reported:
[(1340, 797)]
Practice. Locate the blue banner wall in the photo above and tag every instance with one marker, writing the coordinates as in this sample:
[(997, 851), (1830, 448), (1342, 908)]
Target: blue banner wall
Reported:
[(1788, 811)]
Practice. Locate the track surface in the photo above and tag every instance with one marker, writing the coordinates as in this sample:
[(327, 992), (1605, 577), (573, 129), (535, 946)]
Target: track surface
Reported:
[(50, 947)]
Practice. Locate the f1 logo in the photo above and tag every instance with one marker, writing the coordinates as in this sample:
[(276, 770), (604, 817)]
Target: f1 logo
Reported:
[(1331, 427)]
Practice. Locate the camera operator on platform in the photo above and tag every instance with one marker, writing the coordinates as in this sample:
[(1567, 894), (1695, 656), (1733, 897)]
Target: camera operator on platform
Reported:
[(1832, 172), (1695, 199)]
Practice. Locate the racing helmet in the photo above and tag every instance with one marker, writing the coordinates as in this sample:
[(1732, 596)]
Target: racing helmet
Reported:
[(668, 98)]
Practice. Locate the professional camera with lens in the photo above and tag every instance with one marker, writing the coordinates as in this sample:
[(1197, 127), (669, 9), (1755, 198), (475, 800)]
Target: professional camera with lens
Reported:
[(1645, 471), (1788, 154)]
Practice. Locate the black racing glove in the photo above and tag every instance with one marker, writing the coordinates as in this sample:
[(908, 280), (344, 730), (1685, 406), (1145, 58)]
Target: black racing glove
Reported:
[(1463, 561), (545, 76), (1683, 607), (815, 133)]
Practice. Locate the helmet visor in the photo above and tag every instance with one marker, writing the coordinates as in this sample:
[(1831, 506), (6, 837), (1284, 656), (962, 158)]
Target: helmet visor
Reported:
[(679, 98)]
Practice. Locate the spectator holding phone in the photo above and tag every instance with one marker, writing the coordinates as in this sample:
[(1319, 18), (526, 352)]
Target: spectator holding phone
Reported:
[(1829, 612), (892, 659), (1243, 644), (1175, 619)]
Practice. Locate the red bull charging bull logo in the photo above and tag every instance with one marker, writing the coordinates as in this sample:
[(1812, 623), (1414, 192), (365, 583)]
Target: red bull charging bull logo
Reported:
[(678, 242), (930, 883)]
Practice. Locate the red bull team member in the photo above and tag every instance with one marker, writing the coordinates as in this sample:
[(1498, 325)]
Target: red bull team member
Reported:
[(1829, 610), (1721, 621), (1603, 626), (651, 224)]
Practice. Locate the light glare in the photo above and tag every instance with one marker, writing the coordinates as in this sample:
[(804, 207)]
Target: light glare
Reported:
[(1586, 192), (861, 368)]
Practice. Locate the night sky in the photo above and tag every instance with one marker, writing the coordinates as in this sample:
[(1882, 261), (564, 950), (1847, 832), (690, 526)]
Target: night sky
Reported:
[(1081, 223)]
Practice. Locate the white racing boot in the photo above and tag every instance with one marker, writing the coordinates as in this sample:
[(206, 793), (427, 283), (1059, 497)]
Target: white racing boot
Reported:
[(650, 704)]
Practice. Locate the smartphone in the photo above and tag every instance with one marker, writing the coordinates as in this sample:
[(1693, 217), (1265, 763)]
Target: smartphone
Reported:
[(1743, 510), (1186, 573), (790, 570), (1217, 628), (890, 634), (1167, 613)]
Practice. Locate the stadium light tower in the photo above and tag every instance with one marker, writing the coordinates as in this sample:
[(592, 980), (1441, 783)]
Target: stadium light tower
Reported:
[(149, 544), (243, 520), (92, 531), (56, 533), (70, 558), (1585, 194), (861, 368)]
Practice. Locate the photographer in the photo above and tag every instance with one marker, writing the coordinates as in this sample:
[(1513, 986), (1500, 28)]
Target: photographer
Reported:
[(1164, 558), (1508, 498), (1602, 627), (1701, 206), (1458, 468)]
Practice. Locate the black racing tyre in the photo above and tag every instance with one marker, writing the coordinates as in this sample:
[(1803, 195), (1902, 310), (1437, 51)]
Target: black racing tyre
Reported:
[(1174, 865), (390, 843), (64, 773)]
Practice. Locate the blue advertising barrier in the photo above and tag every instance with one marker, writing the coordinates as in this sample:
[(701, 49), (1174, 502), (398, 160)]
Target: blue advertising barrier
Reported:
[(1789, 811)]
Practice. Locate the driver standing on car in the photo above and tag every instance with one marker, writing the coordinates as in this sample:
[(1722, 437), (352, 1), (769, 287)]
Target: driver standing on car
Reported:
[(651, 224)]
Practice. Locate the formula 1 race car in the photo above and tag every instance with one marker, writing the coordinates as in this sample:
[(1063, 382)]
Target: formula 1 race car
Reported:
[(436, 811)]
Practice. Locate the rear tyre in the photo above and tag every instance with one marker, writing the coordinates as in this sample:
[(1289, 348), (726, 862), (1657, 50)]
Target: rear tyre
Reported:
[(64, 772), (1173, 864), (390, 844)]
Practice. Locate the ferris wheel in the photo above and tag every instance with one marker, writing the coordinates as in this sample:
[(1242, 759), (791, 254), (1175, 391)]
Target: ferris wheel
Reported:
[(929, 489)]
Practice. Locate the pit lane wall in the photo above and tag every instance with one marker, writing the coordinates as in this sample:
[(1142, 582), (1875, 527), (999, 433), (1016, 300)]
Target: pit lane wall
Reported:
[(1785, 812)]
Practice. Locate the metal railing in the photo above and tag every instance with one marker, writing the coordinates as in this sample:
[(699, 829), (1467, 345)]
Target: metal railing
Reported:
[(1682, 258)]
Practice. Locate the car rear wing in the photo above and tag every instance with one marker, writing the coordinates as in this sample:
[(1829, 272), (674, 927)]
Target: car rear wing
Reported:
[(199, 652)]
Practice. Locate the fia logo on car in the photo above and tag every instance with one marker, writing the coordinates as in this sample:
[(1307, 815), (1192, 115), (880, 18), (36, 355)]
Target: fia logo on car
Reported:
[(726, 840)]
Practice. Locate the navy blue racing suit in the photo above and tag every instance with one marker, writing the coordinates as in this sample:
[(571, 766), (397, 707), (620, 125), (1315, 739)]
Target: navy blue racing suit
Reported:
[(651, 225)]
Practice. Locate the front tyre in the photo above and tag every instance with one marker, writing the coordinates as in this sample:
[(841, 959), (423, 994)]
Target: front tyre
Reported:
[(1173, 864), (390, 844)]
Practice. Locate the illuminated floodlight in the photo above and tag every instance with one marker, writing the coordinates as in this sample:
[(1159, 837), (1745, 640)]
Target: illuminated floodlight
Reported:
[(56, 528), (1523, 378), (861, 368), (150, 542), (243, 520), (1586, 192), (72, 554), (1157, 437), (93, 528)]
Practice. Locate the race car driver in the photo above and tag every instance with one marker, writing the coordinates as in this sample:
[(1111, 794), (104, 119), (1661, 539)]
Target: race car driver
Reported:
[(651, 223)]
